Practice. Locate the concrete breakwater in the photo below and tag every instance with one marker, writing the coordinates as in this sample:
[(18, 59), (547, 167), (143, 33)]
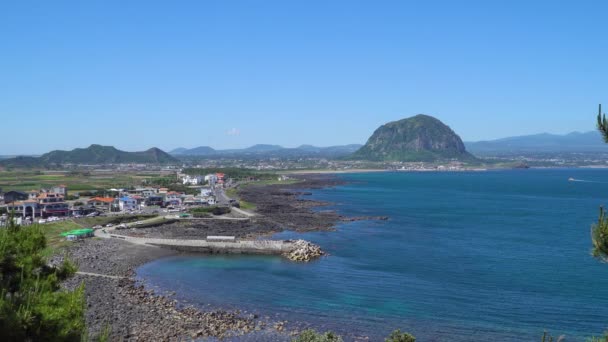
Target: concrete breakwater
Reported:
[(295, 250)]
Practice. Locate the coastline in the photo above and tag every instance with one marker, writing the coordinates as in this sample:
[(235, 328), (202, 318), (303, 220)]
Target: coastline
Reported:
[(135, 313)]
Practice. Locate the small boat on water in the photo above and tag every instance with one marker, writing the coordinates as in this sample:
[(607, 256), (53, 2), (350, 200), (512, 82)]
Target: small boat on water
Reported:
[(571, 179)]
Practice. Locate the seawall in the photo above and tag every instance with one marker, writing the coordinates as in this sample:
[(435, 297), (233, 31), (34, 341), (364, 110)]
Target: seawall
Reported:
[(296, 250)]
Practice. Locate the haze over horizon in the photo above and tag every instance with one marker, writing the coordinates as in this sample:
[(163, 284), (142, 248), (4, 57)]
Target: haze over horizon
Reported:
[(318, 73)]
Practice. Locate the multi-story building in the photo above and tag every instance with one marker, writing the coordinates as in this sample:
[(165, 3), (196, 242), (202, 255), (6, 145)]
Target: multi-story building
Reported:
[(127, 203), (193, 180), (60, 190), (45, 205)]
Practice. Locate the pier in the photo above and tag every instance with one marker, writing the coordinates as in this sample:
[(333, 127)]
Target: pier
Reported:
[(295, 250)]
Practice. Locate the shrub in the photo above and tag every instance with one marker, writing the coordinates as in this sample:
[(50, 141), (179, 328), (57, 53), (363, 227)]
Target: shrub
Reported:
[(599, 237), (398, 336), (215, 210), (311, 335)]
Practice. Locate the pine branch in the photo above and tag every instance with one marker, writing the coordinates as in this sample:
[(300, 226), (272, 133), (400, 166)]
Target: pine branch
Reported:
[(602, 124)]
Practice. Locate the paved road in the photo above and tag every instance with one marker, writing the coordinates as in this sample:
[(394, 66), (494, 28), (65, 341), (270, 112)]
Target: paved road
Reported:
[(221, 198), (243, 212)]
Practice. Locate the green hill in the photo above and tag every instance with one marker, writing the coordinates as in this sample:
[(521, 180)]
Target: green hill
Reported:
[(94, 154), (419, 138)]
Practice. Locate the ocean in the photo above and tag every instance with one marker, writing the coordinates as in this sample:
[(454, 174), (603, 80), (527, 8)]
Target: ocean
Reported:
[(464, 256)]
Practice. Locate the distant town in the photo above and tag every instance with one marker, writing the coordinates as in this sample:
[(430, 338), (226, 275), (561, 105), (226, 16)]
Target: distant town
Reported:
[(56, 202)]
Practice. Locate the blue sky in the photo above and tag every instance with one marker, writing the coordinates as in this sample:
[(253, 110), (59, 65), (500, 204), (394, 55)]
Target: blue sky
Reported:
[(136, 74)]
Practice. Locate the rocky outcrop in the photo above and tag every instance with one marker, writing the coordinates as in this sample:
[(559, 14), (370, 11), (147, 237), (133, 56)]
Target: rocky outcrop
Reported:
[(304, 251), (421, 138)]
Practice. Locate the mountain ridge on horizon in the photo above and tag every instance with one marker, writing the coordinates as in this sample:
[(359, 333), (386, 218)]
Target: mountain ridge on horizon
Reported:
[(93, 154), (265, 148), (575, 141)]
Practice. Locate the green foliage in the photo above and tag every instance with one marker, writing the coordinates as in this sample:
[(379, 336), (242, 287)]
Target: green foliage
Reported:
[(173, 184), (398, 336), (599, 237), (311, 335), (233, 172), (549, 338), (205, 211), (32, 306), (102, 336), (602, 124), (162, 181), (598, 338)]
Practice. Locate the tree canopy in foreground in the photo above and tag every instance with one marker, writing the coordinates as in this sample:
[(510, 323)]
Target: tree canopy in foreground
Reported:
[(33, 307)]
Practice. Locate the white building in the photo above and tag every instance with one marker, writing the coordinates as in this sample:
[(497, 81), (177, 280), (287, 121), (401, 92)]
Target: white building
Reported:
[(60, 190), (193, 180), (211, 178), (127, 203), (206, 192)]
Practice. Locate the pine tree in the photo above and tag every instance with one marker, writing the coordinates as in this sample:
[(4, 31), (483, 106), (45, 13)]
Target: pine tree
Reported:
[(602, 124), (32, 305), (599, 231)]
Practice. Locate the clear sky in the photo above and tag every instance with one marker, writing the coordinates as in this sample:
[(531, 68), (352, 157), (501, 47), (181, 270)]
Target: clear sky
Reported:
[(137, 74)]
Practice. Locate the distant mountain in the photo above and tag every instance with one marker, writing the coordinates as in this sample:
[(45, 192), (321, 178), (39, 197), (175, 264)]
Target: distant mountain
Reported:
[(21, 162), (178, 150), (541, 143), (94, 154), (418, 138), (197, 151), (264, 150)]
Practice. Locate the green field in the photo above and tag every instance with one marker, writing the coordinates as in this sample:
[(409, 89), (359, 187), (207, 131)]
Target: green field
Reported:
[(55, 242), (75, 181)]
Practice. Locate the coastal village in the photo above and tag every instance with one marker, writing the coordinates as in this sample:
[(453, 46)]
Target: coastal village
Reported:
[(57, 202), (155, 205)]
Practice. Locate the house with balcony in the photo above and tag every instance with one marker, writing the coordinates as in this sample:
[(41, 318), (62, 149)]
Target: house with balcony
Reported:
[(45, 205)]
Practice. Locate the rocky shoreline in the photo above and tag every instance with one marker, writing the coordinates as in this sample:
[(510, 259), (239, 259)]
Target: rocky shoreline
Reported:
[(134, 313)]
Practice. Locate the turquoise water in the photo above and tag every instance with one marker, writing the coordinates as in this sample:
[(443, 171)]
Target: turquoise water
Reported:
[(500, 255)]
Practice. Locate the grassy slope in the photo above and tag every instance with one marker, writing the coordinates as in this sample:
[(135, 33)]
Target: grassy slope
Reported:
[(55, 242), (52, 231)]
